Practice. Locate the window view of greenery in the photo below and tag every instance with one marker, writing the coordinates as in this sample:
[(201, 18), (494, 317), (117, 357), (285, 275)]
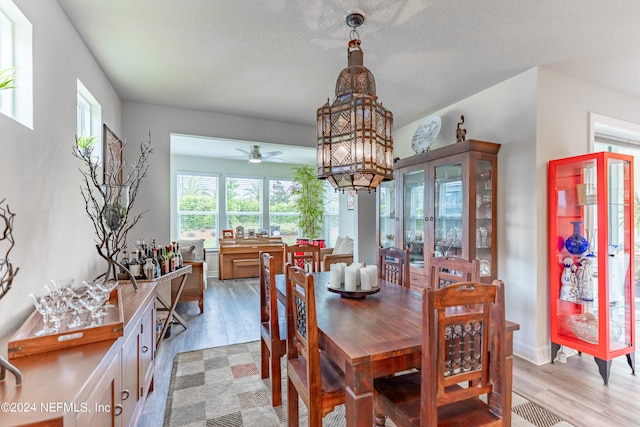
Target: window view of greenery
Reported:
[(244, 204), (283, 219), (198, 208)]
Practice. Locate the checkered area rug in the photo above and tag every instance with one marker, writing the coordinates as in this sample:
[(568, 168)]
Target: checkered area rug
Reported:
[(221, 387)]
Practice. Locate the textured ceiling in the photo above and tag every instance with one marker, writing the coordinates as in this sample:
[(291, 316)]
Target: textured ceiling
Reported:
[(279, 59)]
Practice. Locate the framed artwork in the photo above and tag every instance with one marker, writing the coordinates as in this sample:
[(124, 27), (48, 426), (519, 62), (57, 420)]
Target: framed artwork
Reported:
[(227, 234), (351, 199), (112, 155)]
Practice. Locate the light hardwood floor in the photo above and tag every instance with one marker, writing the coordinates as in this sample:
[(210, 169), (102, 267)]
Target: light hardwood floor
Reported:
[(573, 390)]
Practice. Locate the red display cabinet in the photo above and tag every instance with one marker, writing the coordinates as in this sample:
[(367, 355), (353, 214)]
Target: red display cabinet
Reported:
[(591, 252)]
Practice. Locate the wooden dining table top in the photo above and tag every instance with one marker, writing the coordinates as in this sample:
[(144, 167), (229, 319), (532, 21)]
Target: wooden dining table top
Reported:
[(389, 321)]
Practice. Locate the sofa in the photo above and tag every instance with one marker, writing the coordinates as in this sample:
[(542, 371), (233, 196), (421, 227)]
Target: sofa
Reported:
[(341, 252)]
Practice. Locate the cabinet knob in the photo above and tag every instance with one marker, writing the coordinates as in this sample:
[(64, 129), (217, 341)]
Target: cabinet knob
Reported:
[(398, 218), (125, 394), (145, 348), (117, 409)]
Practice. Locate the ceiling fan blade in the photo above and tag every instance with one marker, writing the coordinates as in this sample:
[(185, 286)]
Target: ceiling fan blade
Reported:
[(233, 157), (271, 154), (243, 151), (272, 159)]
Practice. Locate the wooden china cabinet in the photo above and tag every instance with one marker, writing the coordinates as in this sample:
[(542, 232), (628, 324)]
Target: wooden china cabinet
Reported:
[(443, 202)]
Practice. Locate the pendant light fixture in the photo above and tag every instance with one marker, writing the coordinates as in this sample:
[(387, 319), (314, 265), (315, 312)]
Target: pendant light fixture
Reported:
[(355, 133)]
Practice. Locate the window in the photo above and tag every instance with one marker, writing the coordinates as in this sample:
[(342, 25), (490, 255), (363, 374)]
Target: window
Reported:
[(244, 203), (6, 61), (331, 215), (198, 208), (89, 118), (283, 218), (16, 53)]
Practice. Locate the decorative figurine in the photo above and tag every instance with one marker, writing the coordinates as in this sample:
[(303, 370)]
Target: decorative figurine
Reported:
[(583, 275), (461, 134), (569, 289)]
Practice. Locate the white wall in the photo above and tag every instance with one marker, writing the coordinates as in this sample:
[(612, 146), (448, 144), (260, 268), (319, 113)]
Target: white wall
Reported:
[(38, 174)]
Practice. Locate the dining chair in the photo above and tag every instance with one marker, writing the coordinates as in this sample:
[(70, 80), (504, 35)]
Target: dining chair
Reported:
[(311, 375), (446, 270), (272, 333), (463, 358), (393, 265), (304, 256)]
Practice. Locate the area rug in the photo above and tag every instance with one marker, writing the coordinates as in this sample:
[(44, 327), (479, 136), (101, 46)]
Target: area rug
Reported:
[(221, 387)]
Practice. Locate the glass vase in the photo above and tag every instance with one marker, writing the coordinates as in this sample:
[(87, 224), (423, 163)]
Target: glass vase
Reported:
[(116, 199), (576, 244)]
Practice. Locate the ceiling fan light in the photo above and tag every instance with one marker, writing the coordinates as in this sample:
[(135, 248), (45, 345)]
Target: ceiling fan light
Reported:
[(255, 160)]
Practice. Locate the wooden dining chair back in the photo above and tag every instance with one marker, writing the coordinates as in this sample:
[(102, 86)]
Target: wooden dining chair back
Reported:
[(447, 270), (311, 375), (463, 358), (272, 332), (304, 256), (393, 265)]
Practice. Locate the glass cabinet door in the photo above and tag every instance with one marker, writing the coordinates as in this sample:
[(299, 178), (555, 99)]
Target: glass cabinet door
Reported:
[(448, 210), (484, 217), (387, 223), (413, 220)]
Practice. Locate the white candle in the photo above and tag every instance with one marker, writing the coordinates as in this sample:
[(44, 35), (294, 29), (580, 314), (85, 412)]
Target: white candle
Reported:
[(350, 274), (365, 279), (342, 265), (336, 276), (373, 273)]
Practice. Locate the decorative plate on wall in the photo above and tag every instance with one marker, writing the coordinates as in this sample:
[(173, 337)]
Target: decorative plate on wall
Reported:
[(426, 133)]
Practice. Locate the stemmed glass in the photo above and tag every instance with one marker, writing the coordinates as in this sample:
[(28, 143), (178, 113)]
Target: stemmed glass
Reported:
[(42, 306), (57, 310), (73, 300), (93, 303), (107, 286)]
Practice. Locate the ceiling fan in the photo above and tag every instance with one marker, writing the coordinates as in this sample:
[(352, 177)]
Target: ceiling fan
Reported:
[(255, 156)]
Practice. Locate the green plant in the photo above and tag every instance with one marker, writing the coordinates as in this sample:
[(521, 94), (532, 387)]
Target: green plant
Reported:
[(7, 78), (86, 143), (309, 201)]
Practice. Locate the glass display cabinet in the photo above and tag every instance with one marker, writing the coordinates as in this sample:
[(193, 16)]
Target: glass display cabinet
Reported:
[(445, 204), (591, 248)]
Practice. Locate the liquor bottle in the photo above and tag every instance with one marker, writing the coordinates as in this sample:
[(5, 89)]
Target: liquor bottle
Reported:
[(165, 262), (134, 265), (141, 261), (179, 259), (171, 258), (156, 263), (124, 262)]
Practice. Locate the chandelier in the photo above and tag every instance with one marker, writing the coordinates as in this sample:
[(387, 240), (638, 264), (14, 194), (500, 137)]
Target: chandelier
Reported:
[(355, 133)]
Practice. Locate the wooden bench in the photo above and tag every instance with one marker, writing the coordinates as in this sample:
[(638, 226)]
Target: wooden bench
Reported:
[(239, 263)]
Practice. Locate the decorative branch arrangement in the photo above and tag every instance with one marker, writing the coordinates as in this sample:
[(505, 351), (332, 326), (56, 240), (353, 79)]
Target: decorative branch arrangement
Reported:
[(7, 273), (109, 204)]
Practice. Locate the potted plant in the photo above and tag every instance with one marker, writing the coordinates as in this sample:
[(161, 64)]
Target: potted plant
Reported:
[(85, 144), (309, 201), (7, 78)]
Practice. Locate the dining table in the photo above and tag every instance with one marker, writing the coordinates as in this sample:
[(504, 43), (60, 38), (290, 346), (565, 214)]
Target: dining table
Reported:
[(374, 336)]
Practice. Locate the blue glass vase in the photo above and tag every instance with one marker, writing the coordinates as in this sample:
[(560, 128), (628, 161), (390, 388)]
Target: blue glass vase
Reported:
[(576, 244)]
